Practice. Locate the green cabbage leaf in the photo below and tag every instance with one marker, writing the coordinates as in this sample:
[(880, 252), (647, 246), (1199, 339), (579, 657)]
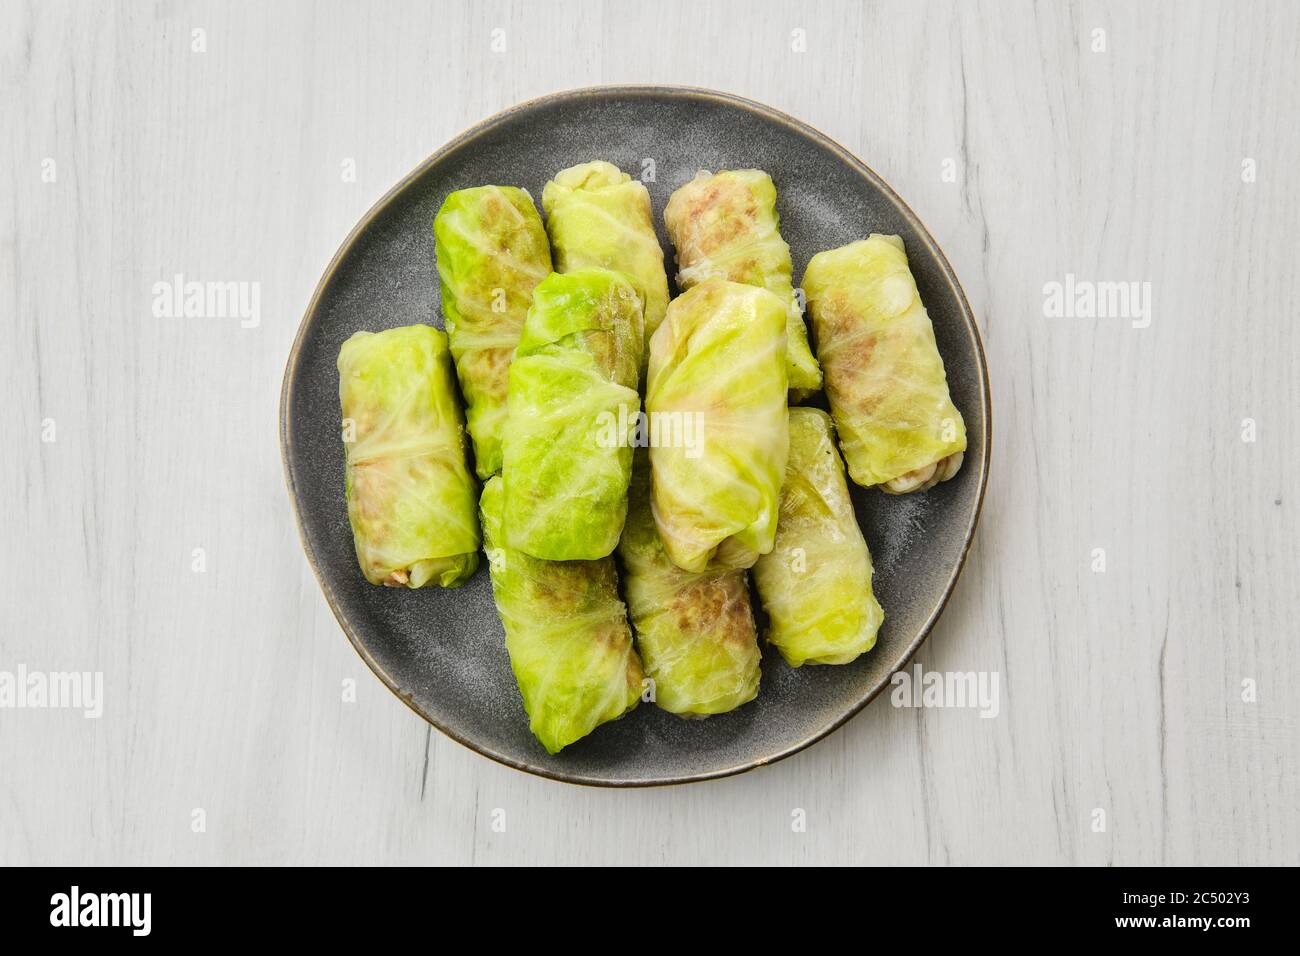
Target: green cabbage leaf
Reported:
[(718, 434), (598, 215), (492, 252), (572, 412), (411, 497), (566, 632), (695, 631), (815, 584), (884, 376), (725, 226)]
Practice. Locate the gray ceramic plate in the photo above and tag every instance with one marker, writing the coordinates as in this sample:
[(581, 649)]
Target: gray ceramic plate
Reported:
[(442, 651)]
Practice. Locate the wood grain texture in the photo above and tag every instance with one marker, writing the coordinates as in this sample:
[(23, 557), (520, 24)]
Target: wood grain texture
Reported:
[(1122, 690)]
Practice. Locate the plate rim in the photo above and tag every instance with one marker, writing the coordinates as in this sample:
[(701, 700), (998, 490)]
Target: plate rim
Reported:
[(465, 139)]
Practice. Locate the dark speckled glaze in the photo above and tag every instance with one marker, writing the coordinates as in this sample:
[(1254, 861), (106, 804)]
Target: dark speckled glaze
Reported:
[(442, 651)]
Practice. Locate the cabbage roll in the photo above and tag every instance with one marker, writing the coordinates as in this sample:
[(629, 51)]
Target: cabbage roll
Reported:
[(572, 416), (598, 215), (492, 251), (695, 631), (566, 632), (718, 432), (725, 226), (816, 583), (884, 376), (411, 497)]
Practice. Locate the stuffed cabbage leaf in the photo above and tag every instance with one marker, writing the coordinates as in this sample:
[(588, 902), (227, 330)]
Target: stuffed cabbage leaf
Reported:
[(572, 411), (410, 494), (566, 632), (884, 376), (725, 226), (695, 631), (816, 583), (716, 402), (598, 215), (492, 251)]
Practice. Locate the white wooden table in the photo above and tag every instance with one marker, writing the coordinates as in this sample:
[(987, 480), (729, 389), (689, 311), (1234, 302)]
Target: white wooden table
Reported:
[(1162, 150)]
